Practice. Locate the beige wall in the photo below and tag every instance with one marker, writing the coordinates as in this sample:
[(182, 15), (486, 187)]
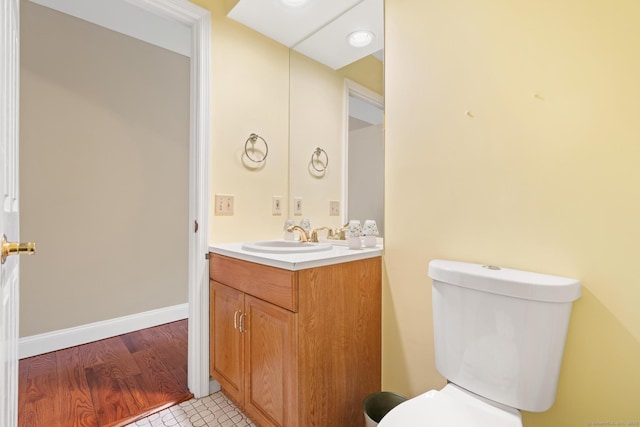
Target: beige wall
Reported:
[(104, 173), (543, 177), (368, 72)]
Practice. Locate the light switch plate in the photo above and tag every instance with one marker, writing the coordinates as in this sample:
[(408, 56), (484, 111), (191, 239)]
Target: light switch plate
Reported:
[(276, 205), (297, 206), (223, 204), (334, 207)]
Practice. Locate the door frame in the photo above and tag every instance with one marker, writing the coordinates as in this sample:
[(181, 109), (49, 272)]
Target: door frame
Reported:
[(9, 207), (199, 20), (357, 90)]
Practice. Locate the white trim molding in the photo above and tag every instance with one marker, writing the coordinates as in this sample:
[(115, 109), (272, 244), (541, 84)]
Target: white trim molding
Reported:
[(199, 20), (70, 337)]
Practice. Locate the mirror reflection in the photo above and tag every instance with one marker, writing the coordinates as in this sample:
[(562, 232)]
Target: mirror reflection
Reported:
[(365, 157), (340, 112), (335, 54)]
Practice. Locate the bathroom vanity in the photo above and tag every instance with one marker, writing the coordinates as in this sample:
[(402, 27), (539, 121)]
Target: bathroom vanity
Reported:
[(296, 338)]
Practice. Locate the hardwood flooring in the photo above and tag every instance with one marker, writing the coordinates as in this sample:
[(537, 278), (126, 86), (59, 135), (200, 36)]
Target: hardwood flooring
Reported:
[(106, 383)]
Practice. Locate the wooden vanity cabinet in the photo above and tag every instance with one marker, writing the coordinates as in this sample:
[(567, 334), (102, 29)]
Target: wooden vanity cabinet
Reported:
[(226, 305), (296, 348)]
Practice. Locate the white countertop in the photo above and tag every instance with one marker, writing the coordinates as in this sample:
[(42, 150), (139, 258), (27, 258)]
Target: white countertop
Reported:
[(294, 262)]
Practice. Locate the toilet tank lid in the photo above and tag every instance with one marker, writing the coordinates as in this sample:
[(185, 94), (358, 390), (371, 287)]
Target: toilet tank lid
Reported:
[(505, 281)]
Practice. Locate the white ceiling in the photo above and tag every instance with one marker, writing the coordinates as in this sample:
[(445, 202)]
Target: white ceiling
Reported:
[(318, 29), (126, 18)]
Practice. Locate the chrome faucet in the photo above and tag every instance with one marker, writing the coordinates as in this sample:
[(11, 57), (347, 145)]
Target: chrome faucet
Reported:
[(304, 237)]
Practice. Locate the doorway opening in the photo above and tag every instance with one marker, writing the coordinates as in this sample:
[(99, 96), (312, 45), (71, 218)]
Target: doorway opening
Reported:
[(364, 156)]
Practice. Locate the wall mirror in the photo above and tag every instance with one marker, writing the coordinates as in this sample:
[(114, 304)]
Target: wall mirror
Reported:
[(320, 105)]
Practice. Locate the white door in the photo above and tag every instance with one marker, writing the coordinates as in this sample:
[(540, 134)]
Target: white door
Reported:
[(9, 217)]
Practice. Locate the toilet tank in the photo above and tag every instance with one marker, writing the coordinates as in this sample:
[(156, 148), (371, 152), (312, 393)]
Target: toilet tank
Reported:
[(500, 333)]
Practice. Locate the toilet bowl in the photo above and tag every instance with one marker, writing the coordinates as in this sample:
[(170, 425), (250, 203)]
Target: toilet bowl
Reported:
[(499, 336), (451, 407)]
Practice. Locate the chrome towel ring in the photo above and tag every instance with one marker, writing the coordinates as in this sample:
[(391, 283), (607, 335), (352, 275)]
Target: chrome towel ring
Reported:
[(316, 159), (252, 139)]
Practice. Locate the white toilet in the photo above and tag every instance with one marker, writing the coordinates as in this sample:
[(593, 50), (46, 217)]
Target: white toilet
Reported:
[(499, 337)]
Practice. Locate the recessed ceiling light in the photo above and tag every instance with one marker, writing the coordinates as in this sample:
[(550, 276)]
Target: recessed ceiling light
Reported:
[(294, 3), (360, 38)]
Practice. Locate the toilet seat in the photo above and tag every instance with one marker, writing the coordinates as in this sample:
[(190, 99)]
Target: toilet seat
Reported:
[(451, 407)]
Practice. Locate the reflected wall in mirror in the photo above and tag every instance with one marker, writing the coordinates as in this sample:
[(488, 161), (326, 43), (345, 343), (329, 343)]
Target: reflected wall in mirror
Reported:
[(364, 172), (315, 120), (318, 117)]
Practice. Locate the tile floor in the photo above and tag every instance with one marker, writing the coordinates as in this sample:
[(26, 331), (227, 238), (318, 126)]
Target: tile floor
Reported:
[(210, 411)]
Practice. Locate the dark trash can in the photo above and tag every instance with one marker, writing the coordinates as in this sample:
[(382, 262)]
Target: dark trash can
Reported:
[(377, 405)]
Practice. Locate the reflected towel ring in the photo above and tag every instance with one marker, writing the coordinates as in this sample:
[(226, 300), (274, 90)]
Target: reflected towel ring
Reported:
[(253, 138), (317, 154)]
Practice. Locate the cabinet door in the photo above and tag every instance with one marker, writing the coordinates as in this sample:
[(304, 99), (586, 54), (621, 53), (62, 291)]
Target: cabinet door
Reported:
[(271, 363), (226, 340)]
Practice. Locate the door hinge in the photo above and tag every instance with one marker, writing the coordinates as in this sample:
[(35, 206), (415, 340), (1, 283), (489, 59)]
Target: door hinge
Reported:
[(206, 256), (196, 226)]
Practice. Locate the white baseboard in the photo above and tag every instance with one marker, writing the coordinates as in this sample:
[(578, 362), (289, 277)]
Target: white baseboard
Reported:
[(64, 338)]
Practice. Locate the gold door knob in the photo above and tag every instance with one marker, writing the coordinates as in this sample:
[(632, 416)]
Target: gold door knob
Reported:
[(9, 248)]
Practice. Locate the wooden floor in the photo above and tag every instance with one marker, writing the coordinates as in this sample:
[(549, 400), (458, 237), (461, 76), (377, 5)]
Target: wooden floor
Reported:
[(111, 382)]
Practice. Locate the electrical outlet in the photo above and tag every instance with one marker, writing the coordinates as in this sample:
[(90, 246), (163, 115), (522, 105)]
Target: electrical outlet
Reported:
[(297, 206), (276, 205), (224, 204), (334, 207)]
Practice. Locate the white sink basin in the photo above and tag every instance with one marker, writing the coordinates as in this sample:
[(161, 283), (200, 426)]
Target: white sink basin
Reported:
[(285, 247)]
